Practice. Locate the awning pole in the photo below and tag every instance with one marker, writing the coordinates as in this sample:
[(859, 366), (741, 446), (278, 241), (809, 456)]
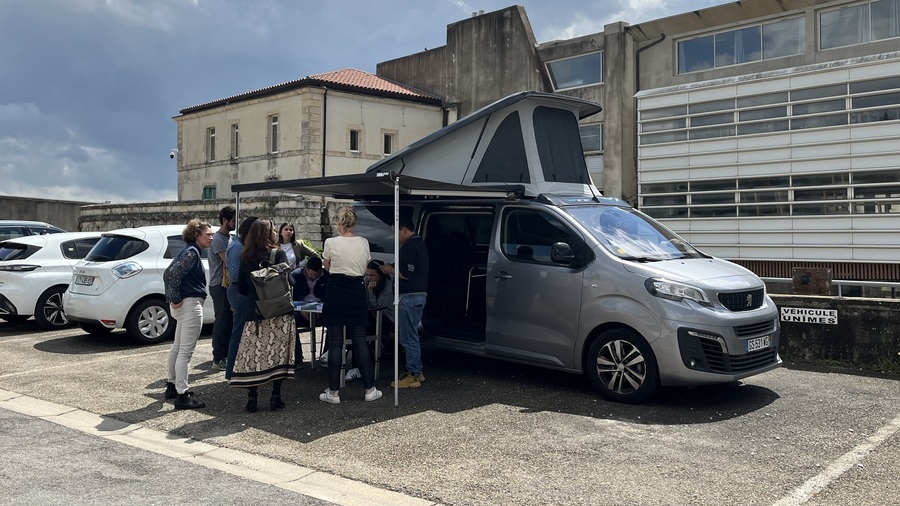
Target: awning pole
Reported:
[(396, 290)]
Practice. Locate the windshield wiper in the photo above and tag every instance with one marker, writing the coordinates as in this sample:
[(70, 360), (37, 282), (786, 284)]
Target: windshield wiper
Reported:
[(98, 258), (642, 259)]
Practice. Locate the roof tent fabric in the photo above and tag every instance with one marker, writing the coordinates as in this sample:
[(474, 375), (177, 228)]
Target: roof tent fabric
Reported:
[(529, 139), (527, 144)]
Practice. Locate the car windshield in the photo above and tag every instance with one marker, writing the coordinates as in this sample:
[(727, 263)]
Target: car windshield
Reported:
[(115, 247), (631, 235), (15, 251)]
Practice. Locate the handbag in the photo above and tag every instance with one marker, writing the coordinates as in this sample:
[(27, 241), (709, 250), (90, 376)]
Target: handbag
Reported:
[(226, 279), (273, 288)]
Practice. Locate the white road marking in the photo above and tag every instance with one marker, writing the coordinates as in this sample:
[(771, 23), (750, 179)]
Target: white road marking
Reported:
[(845, 462)]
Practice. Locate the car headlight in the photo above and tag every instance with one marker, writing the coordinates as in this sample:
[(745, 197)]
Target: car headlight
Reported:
[(126, 270), (673, 290), (18, 268)]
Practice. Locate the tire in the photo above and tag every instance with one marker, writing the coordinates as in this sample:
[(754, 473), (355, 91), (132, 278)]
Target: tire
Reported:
[(48, 312), (150, 322), (622, 367), (95, 329), (14, 319)]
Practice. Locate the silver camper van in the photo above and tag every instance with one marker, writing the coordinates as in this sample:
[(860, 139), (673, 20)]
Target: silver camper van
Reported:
[(530, 263)]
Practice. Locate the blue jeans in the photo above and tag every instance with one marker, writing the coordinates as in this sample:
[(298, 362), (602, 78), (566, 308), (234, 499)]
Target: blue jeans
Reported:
[(410, 312), (222, 328), (239, 304)]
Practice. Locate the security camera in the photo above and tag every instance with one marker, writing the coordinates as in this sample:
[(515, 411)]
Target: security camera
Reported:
[(172, 154)]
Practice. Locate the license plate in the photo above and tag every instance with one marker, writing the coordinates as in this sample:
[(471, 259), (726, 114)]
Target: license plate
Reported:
[(84, 280), (759, 343)]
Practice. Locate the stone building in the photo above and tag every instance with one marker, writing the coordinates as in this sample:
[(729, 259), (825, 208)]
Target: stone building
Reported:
[(325, 124)]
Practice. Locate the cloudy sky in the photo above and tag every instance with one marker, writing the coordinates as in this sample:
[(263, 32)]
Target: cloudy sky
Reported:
[(88, 88)]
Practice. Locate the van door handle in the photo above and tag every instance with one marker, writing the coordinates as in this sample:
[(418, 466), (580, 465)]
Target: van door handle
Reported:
[(502, 275)]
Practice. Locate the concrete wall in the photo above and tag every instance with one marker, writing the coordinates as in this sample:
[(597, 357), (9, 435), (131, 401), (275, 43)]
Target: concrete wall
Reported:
[(62, 213), (866, 335), (486, 58)]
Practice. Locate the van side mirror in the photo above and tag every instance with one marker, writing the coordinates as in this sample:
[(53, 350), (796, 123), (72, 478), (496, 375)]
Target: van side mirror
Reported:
[(561, 253)]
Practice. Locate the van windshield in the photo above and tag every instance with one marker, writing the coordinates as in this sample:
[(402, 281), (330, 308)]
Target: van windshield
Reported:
[(631, 235)]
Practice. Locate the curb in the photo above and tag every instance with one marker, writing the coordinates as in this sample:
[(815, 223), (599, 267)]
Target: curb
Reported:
[(299, 479)]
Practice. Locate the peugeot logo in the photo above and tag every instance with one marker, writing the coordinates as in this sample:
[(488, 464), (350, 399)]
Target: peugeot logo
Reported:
[(749, 300)]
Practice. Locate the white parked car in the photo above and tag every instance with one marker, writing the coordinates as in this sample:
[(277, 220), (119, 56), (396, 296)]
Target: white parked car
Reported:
[(35, 271), (120, 284)]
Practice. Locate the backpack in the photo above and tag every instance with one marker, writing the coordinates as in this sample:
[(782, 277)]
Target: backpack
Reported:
[(273, 288)]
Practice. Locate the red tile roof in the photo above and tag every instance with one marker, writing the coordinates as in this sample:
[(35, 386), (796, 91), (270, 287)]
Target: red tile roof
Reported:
[(365, 80), (347, 79)]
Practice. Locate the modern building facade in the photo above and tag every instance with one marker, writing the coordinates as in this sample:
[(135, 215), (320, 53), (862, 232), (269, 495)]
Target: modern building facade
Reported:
[(764, 132), (325, 124)]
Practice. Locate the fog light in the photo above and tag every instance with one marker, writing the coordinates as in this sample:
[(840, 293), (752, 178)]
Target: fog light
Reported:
[(693, 363)]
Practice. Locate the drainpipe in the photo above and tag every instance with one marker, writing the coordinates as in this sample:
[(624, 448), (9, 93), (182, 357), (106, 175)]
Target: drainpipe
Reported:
[(637, 88), (324, 125)]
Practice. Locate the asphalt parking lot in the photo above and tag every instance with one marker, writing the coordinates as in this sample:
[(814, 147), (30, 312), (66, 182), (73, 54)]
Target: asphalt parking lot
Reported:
[(485, 432)]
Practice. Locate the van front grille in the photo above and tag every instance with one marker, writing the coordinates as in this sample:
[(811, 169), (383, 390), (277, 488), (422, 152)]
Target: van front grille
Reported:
[(742, 301), (755, 328), (707, 355)]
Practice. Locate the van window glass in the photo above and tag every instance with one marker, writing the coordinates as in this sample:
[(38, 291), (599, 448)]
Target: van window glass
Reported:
[(630, 234), (528, 236), (559, 146), (504, 160)]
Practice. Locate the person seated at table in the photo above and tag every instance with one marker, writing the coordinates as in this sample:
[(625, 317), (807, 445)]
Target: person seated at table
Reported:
[(310, 280), (381, 292)]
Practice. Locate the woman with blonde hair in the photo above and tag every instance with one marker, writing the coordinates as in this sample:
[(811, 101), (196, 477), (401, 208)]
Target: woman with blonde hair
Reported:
[(346, 305)]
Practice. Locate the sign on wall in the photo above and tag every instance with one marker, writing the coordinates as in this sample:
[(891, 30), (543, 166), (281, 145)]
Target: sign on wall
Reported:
[(809, 315)]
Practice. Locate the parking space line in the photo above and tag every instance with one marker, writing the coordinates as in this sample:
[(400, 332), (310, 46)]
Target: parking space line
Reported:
[(287, 476), (844, 463)]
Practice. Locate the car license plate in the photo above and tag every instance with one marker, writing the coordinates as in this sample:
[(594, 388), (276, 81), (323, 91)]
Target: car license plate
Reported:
[(759, 343), (84, 280)]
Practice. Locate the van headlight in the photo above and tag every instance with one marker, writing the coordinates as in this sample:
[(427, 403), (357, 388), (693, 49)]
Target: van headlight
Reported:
[(127, 270), (673, 290)]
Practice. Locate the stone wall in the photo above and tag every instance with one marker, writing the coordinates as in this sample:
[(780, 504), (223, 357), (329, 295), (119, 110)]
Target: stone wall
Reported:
[(311, 218), (865, 334)]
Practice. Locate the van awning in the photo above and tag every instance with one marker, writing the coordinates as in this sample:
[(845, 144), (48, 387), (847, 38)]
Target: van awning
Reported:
[(375, 186)]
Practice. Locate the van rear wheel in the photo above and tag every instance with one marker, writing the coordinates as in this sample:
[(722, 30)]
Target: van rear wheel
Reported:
[(622, 367)]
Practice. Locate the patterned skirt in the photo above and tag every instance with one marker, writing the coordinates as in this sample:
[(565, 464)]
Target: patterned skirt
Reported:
[(266, 352)]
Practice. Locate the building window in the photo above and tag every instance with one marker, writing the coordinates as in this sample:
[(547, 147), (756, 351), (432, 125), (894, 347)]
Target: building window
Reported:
[(575, 72), (209, 192), (853, 24), (743, 45), (211, 143), (273, 134), (591, 137), (388, 144), (235, 141), (354, 141)]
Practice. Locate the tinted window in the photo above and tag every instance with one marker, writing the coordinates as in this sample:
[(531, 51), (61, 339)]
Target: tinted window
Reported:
[(174, 245), (528, 236), (559, 146), (14, 251), (11, 232), (116, 247), (374, 223), (83, 246), (504, 160)]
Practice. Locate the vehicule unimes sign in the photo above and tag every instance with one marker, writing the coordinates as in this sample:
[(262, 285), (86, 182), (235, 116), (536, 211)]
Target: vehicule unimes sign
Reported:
[(807, 315)]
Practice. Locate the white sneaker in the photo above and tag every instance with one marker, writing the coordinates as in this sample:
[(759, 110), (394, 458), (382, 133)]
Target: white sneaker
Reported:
[(353, 374), (323, 358), (327, 396), (374, 395)]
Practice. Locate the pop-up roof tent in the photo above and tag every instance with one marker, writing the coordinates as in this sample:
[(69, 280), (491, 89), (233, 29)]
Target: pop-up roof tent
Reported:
[(526, 144)]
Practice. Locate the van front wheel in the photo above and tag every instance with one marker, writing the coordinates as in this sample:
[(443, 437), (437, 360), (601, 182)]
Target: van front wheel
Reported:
[(622, 367)]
